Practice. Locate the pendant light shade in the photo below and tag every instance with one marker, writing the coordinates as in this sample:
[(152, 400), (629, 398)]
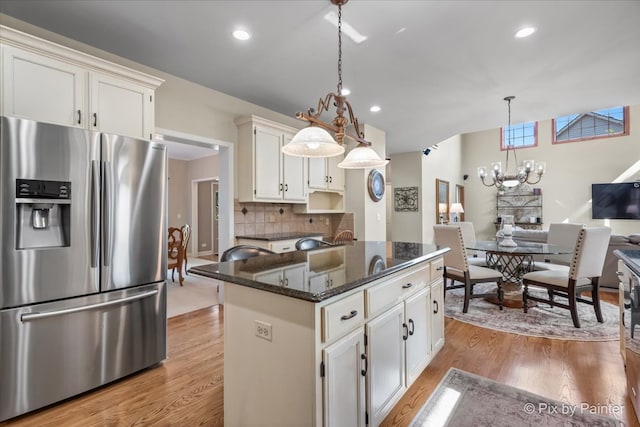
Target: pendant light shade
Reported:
[(363, 156), (313, 141)]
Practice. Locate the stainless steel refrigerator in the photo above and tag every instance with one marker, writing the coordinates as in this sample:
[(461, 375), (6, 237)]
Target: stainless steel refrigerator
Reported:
[(82, 261)]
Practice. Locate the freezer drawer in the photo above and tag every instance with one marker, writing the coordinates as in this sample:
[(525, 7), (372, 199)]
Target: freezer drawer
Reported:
[(53, 351)]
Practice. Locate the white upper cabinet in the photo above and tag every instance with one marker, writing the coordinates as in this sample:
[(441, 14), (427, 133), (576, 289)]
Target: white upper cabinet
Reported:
[(44, 89), (265, 173), (120, 107), (324, 173), (46, 82)]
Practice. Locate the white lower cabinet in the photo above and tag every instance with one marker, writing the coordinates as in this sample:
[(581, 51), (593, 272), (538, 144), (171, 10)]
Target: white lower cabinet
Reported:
[(344, 381), (289, 277), (343, 361), (437, 315), (386, 356), (419, 333)]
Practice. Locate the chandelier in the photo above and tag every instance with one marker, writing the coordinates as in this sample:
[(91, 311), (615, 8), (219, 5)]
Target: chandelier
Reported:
[(530, 172), (316, 141)]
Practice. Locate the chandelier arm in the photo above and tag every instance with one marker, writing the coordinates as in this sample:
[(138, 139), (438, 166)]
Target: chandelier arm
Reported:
[(323, 105), (356, 125), (534, 182), (313, 119)]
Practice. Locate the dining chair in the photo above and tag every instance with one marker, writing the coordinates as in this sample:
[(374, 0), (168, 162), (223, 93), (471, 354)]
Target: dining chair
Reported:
[(468, 236), (458, 269), (582, 275), (561, 234), (343, 237), (309, 243), (186, 236), (240, 252), (175, 254)]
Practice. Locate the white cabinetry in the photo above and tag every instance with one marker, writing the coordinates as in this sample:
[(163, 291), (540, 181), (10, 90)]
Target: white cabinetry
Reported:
[(344, 381), (50, 83), (288, 277), (268, 175), (324, 174), (365, 347), (386, 355)]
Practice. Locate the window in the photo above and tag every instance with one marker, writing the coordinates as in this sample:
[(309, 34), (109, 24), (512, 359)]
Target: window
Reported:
[(521, 135), (592, 125)]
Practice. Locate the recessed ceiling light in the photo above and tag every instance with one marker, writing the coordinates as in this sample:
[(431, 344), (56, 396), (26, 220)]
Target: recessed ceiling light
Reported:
[(345, 91), (241, 35), (375, 109), (525, 32)]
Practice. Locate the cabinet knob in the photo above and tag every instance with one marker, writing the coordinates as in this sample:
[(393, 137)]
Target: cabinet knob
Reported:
[(437, 308), (407, 286), (413, 327), (366, 364), (79, 116), (95, 119), (405, 335)]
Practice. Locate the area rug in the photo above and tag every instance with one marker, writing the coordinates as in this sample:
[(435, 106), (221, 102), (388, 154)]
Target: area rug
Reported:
[(541, 321), (197, 292), (463, 399)]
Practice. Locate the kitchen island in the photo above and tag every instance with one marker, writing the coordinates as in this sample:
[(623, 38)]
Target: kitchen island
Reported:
[(331, 336)]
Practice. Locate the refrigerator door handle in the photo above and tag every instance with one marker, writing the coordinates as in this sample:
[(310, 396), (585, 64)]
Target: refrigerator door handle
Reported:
[(37, 315), (95, 206), (106, 206)]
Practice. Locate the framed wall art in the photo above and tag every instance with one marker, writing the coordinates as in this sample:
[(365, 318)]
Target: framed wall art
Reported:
[(405, 199)]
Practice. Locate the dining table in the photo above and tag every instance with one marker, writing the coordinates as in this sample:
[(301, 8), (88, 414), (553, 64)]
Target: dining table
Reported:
[(514, 262)]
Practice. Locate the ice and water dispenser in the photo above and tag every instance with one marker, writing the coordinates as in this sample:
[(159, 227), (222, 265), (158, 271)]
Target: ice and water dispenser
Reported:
[(43, 210)]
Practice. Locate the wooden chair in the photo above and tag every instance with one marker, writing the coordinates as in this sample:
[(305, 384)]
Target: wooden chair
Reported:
[(186, 236), (309, 243), (458, 269), (175, 254), (583, 275), (343, 237)]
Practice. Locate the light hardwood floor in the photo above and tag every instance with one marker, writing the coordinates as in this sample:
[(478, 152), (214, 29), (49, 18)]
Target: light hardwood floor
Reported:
[(187, 389)]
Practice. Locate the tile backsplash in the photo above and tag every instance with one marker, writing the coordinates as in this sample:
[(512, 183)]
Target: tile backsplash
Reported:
[(268, 218)]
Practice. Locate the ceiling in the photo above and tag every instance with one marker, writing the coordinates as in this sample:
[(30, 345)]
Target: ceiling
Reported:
[(436, 68)]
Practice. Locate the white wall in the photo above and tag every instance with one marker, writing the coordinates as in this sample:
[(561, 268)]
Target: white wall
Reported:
[(369, 216), (179, 205), (566, 187), (418, 170)]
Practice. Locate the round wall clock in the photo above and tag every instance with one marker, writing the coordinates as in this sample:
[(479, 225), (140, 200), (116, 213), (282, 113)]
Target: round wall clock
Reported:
[(376, 185)]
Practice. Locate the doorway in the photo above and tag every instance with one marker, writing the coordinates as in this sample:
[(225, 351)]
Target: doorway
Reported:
[(187, 146), (207, 216)]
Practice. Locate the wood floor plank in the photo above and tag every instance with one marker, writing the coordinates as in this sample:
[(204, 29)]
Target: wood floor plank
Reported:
[(187, 388)]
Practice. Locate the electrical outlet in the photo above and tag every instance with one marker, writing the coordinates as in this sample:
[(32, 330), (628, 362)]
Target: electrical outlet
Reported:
[(326, 221), (204, 245), (263, 330)]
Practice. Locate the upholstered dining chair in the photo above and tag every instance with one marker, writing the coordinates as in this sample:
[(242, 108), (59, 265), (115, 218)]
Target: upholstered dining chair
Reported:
[(186, 236), (583, 275), (343, 237), (458, 269), (175, 253), (561, 234), (468, 236), (309, 243), (240, 252)]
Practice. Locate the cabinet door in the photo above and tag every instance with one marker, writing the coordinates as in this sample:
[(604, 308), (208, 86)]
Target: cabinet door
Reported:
[(120, 107), (43, 89), (267, 143), (272, 277), (337, 277), (318, 177), (336, 174), (344, 382), (293, 175), (385, 353), (437, 316), (318, 283), (417, 319), (295, 277)]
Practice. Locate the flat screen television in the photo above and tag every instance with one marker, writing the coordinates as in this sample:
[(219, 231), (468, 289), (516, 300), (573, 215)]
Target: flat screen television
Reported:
[(615, 201)]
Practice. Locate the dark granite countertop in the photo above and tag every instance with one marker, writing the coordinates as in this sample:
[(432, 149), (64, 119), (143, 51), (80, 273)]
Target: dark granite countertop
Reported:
[(279, 236), (630, 257), (350, 266)]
